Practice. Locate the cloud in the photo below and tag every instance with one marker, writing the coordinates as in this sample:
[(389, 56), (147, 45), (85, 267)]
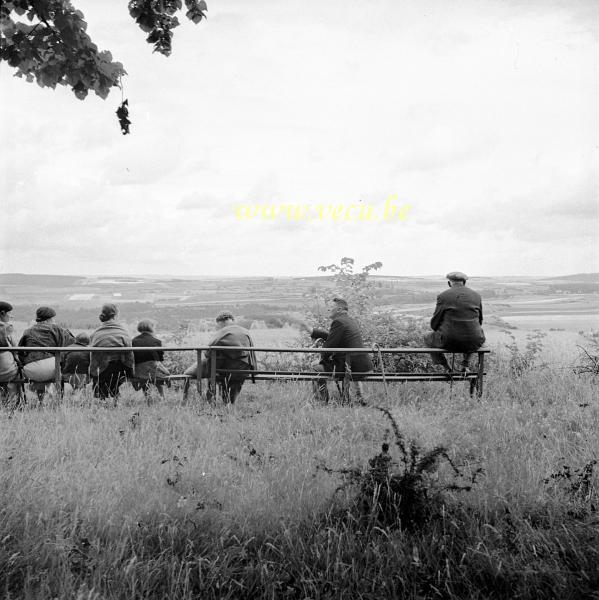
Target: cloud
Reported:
[(482, 117)]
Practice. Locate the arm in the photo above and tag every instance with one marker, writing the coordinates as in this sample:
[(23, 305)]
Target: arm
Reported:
[(437, 315), (480, 313), (334, 340), (66, 338), (160, 353)]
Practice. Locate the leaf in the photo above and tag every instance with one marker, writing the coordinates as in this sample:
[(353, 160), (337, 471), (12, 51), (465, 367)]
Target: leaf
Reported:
[(122, 114)]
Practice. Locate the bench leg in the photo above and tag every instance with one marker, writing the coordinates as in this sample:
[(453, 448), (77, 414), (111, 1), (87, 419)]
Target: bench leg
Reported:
[(473, 385), (320, 391), (345, 390), (481, 371)]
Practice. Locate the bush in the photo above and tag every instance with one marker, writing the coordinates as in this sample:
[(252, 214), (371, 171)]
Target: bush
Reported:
[(523, 362), (380, 327), (403, 494)]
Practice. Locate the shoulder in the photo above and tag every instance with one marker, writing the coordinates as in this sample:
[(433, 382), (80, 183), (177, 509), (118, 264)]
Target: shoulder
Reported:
[(469, 293), (345, 321)]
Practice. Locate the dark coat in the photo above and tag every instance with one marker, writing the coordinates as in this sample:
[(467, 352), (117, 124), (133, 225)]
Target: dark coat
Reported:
[(345, 333), (146, 339), (78, 361), (43, 334), (458, 318), (241, 343)]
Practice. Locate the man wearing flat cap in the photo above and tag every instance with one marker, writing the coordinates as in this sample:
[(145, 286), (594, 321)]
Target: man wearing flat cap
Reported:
[(344, 333), (240, 357), (456, 322)]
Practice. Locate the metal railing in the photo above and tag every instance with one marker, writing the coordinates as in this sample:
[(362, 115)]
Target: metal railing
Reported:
[(59, 351)]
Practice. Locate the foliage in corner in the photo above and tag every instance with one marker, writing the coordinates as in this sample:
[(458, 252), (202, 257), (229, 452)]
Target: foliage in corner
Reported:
[(51, 46), (158, 18), (122, 113)]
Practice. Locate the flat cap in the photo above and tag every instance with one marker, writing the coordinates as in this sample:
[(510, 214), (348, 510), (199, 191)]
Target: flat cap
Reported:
[(5, 306), (43, 313), (225, 316), (457, 276)]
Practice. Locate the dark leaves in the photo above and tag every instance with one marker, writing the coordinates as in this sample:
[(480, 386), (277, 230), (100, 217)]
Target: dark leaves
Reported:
[(157, 18), (55, 49), (122, 114)]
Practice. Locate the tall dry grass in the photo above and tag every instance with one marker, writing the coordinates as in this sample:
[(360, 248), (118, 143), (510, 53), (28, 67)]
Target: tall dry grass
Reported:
[(185, 500)]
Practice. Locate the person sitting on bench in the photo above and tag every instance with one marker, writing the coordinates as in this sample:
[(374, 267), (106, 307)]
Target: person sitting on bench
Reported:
[(240, 358), (75, 368), (344, 333), (149, 369), (9, 367), (456, 322), (109, 370), (38, 366)]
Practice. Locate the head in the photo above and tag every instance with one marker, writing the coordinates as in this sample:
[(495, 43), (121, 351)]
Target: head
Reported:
[(456, 279), (145, 326), (82, 339), (45, 314), (108, 313), (224, 319), (337, 306), (5, 310)]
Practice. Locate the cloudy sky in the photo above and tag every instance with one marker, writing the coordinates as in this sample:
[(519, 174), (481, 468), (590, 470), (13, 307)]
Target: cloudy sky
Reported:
[(478, 116)]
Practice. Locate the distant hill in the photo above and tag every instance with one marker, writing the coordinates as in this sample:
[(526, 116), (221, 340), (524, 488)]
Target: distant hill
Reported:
[(39, 280), (578, 278)]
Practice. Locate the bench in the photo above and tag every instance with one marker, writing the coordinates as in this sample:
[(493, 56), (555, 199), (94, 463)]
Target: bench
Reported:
[(475, 378)]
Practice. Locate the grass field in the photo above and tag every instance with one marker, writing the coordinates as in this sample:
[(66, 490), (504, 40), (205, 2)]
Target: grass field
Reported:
[(188, 500)]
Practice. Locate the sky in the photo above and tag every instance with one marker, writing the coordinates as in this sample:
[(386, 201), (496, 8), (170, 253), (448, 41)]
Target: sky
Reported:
[(277, 134)]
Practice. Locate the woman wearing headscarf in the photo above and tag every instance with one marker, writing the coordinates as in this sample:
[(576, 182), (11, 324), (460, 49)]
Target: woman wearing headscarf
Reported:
[(109, 370), (38, 366)]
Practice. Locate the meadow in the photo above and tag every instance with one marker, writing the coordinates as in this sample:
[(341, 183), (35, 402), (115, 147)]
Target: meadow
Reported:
[(266, 499)]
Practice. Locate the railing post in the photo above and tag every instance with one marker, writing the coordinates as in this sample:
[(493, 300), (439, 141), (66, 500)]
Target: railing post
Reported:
[(212, 359), (199, 373), (57, 373)]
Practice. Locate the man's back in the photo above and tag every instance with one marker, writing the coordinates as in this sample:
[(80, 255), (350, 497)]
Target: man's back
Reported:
[(458, 302), (235, 336), (458, 318), (345, 333)]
